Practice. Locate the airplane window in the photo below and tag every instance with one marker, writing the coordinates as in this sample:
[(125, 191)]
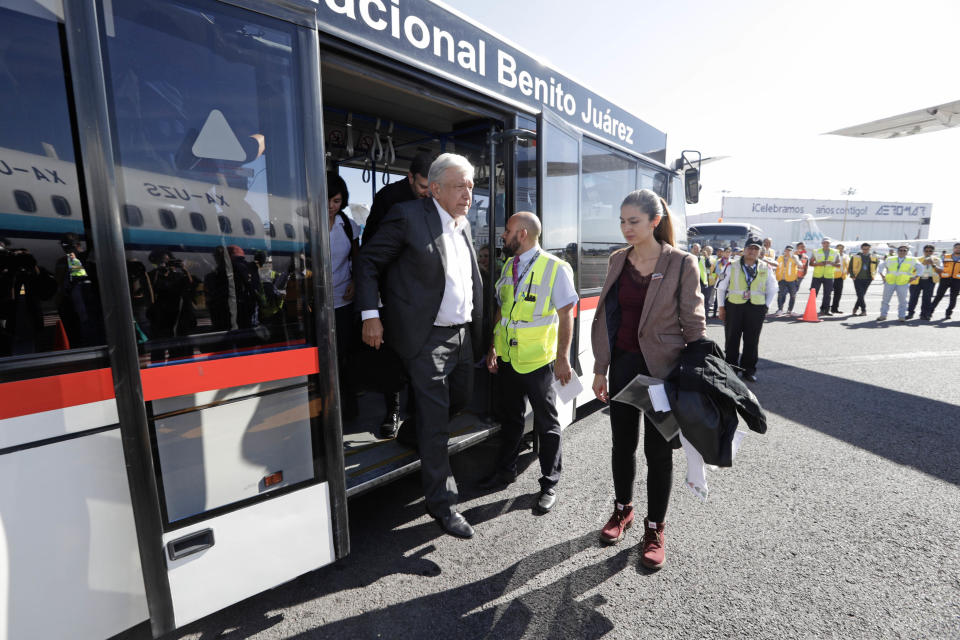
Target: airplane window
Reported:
[(248, 228), (132, 215), (61, 205), (167, 219), (273, 231), (25, 201), (198, 222), (288, 229), (224, 224)]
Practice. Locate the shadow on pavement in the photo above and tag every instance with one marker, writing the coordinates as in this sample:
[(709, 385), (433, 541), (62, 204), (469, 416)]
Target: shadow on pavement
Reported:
[(905, 428)]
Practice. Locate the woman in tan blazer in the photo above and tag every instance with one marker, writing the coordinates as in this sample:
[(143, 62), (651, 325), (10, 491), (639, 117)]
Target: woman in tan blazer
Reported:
[(650, 307)]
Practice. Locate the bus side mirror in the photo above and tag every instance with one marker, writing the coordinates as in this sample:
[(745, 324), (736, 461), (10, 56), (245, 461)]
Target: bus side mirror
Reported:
[(691, 185)]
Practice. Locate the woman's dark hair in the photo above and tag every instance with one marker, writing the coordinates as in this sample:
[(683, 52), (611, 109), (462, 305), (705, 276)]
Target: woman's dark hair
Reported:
[(335, 185), (653, 205)]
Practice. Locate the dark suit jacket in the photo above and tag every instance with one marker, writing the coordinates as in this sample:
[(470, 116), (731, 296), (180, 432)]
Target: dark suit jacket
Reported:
[(404, 263), (392, 194)]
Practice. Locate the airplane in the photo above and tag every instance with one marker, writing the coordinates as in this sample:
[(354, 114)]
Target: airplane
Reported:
[(936, 118), (814, 236)]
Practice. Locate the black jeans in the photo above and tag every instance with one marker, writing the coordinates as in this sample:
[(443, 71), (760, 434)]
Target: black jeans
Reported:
[(923, 290), (537, 387), (861, 286), (951, 284), (837, 292), (827, 291), (347, 343), (744, 321), (625, 424)]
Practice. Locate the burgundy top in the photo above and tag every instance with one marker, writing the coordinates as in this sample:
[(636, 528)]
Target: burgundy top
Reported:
[(631, 294)]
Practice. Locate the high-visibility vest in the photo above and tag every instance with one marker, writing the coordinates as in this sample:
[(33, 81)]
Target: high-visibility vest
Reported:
[(76, 268), (922, 269), (856, 263), (901, 275), (951, 267), (824, 271), (702, 263), (712, 275), (737, 287), (790, 273), (526, 335), (841, 272)]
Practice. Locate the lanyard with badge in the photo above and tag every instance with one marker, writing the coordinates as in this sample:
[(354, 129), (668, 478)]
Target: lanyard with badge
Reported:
[(749, 273), (523, 274)]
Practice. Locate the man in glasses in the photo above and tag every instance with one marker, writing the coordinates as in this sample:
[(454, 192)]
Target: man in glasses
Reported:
[(897, 272)]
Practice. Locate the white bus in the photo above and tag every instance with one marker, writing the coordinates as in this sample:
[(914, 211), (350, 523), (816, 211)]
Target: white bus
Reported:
[(170, 434)]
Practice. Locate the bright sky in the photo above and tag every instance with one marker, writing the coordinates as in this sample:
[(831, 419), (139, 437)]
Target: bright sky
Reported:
[(760, 81)]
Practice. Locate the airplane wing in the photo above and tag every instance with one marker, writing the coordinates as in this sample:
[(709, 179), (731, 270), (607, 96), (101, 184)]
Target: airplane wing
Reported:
[(936, 118)]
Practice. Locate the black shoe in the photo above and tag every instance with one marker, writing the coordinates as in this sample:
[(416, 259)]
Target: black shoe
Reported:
[(390, 425), (910, 316), (825, 312), (750, 377), (548, 498), (455, 525), (496, 480)]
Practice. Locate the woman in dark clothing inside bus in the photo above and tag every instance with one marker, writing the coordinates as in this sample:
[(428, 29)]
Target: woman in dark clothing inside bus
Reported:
[(650, 307)]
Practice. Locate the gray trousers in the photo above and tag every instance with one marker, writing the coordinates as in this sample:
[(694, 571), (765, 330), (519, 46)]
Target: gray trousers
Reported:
[(441, 378), (902, 291)]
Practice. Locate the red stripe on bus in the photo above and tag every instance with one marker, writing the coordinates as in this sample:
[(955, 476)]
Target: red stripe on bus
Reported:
[(208, 375), (586, 304), (24, 397)]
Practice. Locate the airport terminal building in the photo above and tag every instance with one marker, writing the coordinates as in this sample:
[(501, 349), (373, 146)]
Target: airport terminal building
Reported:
[(783, 218)]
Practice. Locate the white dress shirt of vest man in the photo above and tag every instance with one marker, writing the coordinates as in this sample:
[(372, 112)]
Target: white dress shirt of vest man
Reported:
[(826, 264), (533, 330), (422, 262)]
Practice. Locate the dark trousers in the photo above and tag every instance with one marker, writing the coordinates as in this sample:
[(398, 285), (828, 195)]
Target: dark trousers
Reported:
[(837, 292), (441, 378), (827, 291), (537, 387), (923, 290), (861, 286), (744, 321), (785, 289), (625, 425), (951, 284), (347, 341)]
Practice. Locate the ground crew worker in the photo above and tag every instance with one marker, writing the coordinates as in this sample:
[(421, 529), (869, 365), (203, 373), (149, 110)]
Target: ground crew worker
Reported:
[(928, 275), (768, 254), (533, 330), (897, 272), (863, 268), (840, 275), (804, 259), (710, 265), (949, 280), (824, 262), (746, 290), (788, 267)]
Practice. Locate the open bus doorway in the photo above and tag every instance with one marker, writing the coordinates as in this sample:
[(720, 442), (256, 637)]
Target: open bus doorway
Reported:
[(375, 123)]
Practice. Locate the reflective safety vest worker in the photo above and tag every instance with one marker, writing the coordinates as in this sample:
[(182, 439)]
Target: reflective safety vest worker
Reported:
[(951, 267), (901, 275), (712, 275), (526, 335), (821, 270), (737, 287), (702, 263), (856, 263), (788, 273)]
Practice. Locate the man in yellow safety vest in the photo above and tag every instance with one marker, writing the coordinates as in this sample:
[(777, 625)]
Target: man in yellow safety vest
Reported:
[(788, 268), (825, 261), (533, 330), (839, 276), (949, 281), (897, 272)]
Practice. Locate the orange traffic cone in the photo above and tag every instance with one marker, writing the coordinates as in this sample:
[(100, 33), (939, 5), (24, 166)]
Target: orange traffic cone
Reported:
[(810, 313)]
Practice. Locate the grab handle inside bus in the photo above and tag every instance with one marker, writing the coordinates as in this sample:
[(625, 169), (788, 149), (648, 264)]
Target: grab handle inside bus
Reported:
[(190, 544)]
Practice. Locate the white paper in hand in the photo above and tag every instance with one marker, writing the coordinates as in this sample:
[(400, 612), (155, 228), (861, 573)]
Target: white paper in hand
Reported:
[(567, 392), (658, 397)]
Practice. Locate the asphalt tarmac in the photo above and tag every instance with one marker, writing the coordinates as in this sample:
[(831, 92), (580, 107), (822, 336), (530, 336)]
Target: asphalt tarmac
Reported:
[(841, 521)]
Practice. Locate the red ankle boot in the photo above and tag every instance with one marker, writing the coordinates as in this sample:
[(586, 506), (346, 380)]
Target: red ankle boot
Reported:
[(617, 525), (654, 554)]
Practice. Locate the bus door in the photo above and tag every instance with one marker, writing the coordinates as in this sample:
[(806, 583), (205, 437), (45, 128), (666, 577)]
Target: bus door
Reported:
[(221, 294), (558, 203)]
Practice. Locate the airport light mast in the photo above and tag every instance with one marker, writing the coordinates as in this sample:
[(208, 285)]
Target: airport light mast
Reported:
[(843, 229)]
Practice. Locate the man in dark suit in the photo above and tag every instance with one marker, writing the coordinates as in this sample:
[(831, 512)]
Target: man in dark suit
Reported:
[(415, 186), (422, 263)]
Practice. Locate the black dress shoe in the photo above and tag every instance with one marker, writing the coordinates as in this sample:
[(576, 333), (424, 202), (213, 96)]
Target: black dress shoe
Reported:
[(750, 377), (390, 425), (548, 498), (496, 480), (456, 525)]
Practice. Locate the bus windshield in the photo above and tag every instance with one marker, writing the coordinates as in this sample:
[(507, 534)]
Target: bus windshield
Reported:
[(721, 235)]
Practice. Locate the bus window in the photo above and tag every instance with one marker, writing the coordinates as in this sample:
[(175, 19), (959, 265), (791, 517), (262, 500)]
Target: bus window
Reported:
[(607, 178), (49, 299)]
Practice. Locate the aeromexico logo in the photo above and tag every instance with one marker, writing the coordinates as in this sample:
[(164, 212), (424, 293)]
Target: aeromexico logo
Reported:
[(438, 39)]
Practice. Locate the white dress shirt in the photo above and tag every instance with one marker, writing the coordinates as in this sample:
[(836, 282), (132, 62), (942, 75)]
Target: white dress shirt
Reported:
[(456, 306)]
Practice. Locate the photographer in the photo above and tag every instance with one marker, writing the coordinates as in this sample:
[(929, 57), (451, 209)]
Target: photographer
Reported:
[(23, 285), (171, 313)]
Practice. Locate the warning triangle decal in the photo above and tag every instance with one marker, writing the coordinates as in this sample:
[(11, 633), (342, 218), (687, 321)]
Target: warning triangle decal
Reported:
[(217, 140)]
